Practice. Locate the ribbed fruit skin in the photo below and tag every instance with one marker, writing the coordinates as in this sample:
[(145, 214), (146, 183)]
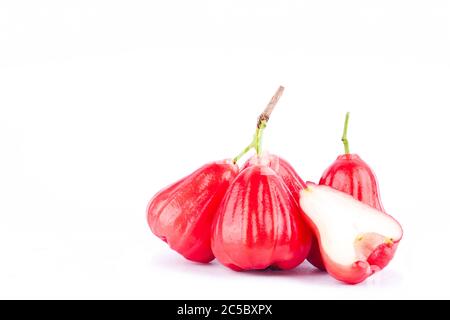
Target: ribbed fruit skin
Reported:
[(258, 224), (182, 213), (284, 169), (349, 174)]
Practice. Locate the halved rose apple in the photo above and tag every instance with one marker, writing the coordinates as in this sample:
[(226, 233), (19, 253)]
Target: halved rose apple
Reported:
[(355, 239)]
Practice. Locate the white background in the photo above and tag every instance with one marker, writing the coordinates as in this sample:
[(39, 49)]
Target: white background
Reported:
[(102, 103)]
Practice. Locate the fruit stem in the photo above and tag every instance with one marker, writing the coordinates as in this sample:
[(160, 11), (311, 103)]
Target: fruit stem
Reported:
[(261, 125), (243, 152), (259, 134), (344, 135), (264, 117)]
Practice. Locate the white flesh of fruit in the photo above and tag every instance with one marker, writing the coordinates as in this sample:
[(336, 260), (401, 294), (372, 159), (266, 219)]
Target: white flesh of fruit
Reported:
[(343, 221)]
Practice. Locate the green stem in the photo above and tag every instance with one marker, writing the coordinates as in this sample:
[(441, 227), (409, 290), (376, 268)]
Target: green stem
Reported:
[(344, 135), (260, 126), (243, 152), (259, 135)]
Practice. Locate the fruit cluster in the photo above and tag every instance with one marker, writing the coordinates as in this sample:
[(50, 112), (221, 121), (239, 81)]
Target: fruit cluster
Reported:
[(265, 216)]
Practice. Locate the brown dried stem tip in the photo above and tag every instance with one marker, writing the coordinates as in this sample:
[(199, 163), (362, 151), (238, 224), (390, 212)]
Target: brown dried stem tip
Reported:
[(264, 117)]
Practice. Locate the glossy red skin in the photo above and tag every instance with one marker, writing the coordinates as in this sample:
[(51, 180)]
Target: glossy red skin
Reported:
[(258, 224), (182, 213), (314, 256), (294, 184), (349, 174), (283, 168)]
